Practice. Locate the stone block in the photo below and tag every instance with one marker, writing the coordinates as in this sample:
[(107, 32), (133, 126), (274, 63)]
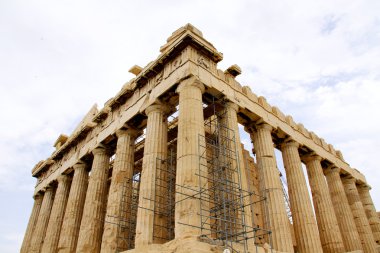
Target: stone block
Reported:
[(276, 111), (248, 92), (332, 149), (340, 155), (324, 144), (290, 121), (263, 102)]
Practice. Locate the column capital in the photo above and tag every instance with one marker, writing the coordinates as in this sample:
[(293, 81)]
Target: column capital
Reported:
[(192, 81), (157, 107), (38, 195), (232, 105), (48, 188), (100, 150), (264, 125), (290, 143), (249, 129), (252, 127), (332, 169), (79, 165), (311, 157), (129, 131), (364, 186), (63, 178), (348, 180)]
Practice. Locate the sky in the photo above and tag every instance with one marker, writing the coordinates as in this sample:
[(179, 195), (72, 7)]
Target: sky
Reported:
[(316, 60)]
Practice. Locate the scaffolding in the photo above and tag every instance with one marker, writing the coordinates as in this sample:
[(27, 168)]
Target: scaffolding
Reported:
[(286, 197), (164, 199), (223, 202), (165, 187), (126, 221)]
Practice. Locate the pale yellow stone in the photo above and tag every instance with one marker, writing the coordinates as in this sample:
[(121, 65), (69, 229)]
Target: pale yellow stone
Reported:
[(32, 223), (74, 210), (229, 119), (275, 216), (155, 147), (42, 221), (350, 235), (122, 176), (304, 224), (329, 232), (56, 217), (190, 128), (360, 218), (370, 210), (91, 228)]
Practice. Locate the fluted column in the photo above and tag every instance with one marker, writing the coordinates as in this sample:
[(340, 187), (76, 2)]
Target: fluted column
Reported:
[(329, 232), (57, 212), (74, 210), (360, 218), (155, 148), (231, 121), (304, 223), (122, 175), (275, 217), (32, 223), (91, 228), (370, 210), (350, 236), (42, 222), (190, 129)]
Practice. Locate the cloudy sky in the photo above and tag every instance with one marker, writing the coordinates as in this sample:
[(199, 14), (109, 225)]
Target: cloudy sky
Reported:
[(316, 60)]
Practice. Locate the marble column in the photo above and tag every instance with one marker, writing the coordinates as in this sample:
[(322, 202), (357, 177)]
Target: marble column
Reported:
[(275, 217), (74, 210), (329, 232), (56, 217), (155, 148), (304, 223), (360, 218), (350, 235), (42, 221), (32, 223), (122, 178), (91, 228), (370, 210), (230, 120), (190, 130)]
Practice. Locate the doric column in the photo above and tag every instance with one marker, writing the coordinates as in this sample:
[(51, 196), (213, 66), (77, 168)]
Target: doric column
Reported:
[(305, 226), (56, 217), (155, 148), (122, 178), (350, 236), (275, 217), (91, 228), (360, 218), (42, 222), (74, 210), (32, 223), (190, 129), (231, 122), (329, 232), (370, 210)]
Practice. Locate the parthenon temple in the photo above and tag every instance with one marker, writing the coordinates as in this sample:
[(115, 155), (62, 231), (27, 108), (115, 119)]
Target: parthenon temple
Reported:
[(162, 168)]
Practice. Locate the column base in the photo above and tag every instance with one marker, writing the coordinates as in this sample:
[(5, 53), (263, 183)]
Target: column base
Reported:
[(194, 244)]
